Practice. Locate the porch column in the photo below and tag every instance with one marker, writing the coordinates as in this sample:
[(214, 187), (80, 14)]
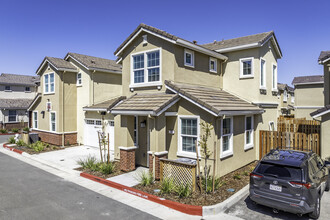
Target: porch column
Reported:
[(154, 162), (127, 158)]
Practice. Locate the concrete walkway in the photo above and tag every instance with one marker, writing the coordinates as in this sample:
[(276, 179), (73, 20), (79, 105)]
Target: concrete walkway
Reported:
[(130, 179)]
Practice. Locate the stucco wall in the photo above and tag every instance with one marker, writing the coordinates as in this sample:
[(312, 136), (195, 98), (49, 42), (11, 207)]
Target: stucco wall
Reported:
[(17, 92), (325, 137), (326, 69)]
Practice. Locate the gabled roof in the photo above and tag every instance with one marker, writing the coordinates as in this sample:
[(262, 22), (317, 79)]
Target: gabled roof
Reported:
[(283, 86), (16, 79), (321, 111), (95, 63), (256, 40), (215, 101), (306, 80), (106, 105), (169, 37), (324, 56), (146, 104), (36, 98), (15, 103), (58, 63)]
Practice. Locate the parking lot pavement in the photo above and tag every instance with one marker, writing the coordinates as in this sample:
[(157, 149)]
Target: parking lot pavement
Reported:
[(245, 209), (4, 138)]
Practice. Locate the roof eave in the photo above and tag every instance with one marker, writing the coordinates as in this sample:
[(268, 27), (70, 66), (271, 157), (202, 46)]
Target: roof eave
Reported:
[(308, 83), (241, 112)]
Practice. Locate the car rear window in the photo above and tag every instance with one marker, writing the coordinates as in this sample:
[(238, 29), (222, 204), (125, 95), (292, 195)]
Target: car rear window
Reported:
[(278, 171)]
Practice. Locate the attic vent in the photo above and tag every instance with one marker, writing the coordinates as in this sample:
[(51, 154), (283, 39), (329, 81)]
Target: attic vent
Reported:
[(92, 61)]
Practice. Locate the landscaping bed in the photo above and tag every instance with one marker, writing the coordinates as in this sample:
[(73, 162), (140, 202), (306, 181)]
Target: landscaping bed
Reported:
[(235, 180), (36, 148)]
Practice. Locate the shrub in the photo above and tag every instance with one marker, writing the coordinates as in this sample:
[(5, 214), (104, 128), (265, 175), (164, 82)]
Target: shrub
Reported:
[(245, 173), (106, 168), (237, 177), (27, 130), (3, 131), (217, 183), (88, 163), (15, 130), (183, 190), (37, 146), (20, 143), (167, 185), (11, 140), (146, 178)]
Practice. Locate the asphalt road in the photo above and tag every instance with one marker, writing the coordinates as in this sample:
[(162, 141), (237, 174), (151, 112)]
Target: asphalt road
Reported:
[(245, 209), (4, 138), (27, 192)]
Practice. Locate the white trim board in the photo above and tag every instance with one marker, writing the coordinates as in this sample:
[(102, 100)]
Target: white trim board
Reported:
[(308, 107), (321, 114)]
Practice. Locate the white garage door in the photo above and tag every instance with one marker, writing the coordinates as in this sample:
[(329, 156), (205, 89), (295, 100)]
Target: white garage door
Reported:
[(92, 126)]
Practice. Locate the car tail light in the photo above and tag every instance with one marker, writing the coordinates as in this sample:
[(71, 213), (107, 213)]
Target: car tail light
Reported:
[(307, 185), (256, 176)]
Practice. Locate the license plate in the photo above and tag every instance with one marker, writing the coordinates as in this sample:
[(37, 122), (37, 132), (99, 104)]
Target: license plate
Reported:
[(275, 188)]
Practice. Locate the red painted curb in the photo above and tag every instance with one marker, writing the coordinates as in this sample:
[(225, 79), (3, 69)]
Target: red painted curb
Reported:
[(13, 149), (188, 209), (9, 134)]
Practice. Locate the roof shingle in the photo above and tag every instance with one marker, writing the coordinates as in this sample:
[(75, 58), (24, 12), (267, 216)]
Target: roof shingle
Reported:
[(107, 105), (15, 103), (308, 79), (16, 79), (324, 55)]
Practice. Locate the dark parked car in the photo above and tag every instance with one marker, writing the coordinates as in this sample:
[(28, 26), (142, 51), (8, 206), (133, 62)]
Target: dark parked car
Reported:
[(291, 181)]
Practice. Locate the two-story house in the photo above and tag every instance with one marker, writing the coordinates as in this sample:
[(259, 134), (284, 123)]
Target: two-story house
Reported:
[(174, 85), (309, 95), (286, 99), (323, 114), (16, 94), (75, 94)]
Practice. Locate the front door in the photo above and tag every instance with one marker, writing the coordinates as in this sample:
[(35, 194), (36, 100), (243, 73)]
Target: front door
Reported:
[(141, 155)]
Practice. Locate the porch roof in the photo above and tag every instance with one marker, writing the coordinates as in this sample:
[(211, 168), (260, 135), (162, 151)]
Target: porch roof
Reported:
[(146, 104), (15, 103), (321, 111), (215, 101), (106, 105)]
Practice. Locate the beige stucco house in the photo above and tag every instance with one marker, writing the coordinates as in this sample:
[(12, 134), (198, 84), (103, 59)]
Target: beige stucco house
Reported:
[(173, 85), (67, 107), (323, 114), (309, 95), (285, 98), (16, 94)]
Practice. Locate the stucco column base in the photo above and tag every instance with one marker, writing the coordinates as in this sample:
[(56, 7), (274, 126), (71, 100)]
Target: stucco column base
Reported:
[(157, 156), (127, 158)]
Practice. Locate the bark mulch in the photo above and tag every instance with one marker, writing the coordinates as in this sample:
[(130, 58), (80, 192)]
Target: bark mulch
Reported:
[(235, 180), (46, 149), (116, 171)]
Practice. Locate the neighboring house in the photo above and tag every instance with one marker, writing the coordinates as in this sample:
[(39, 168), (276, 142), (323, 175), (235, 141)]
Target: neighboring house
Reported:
[(16, 94), (309, 95), (286, 99), (174, 85), (75, 94), (323, 114)]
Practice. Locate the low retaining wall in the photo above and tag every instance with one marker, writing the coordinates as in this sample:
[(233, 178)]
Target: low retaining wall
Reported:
[(56, 139)]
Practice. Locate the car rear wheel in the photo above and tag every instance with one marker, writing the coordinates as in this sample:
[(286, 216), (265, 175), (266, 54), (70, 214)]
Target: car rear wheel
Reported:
[(316, 213)]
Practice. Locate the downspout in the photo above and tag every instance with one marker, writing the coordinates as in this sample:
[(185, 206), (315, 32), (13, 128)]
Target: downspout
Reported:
[(63, 109)]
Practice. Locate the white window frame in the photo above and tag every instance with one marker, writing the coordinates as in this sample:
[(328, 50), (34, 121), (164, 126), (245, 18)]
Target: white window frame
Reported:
[(274, 82), (229, 152), (215, 70), (146, 83), (35, 119), (241, 67), (251, 145), (192, 53), (16, 115), (292, 98), (50, 121), (285, 96), (180, 152), (49, 84), (264, 86), (79, 78)]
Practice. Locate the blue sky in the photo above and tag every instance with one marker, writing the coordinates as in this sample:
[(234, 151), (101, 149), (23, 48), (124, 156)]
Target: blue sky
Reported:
[(31, 30)]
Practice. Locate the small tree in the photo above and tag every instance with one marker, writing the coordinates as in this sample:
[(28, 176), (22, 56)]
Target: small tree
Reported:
[(207, 128)]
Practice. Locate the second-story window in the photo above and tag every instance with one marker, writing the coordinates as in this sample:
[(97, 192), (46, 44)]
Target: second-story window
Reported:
[(292, 98), (285, 96), (274, 78), (79, 80), (146, 67), (189, 59), (27, 89), (7, 88), (262, 73), (213, 65), (49, 83), (246, 67)]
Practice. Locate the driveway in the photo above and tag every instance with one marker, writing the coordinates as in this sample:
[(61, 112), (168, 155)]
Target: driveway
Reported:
[(245, 209), (4, 138), (27, 192)]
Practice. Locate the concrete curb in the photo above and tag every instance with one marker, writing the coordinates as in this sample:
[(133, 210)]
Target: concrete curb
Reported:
[(223, 206), (13, 149)]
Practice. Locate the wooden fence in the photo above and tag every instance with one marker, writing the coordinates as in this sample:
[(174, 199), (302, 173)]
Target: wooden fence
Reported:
[(288, 140), (300, 125)]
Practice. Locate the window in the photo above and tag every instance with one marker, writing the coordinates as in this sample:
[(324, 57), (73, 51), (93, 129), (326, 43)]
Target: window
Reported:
[(146, 67), (292, 98), (49, 83), (189, 59), (271, 126), (112, 123), (246, 67), (248, 132), (226, 137), (79, 80), (27, 89), (35, 119), (136, 121), (188, 135), (52, 121), (274, 78), (285, 96), (12, 116), (7, 88), (213, 65), (262, 73)]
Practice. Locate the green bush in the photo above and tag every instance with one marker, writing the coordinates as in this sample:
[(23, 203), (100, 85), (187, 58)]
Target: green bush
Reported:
[(167, 185), (3, 131), (11, 140), (237, 177), (27, 130), (15, 130), (37, 146), (183, 190), (146, 178), (88, 163), (106, 168), (21, 143), (245, 173), (217, 183)]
